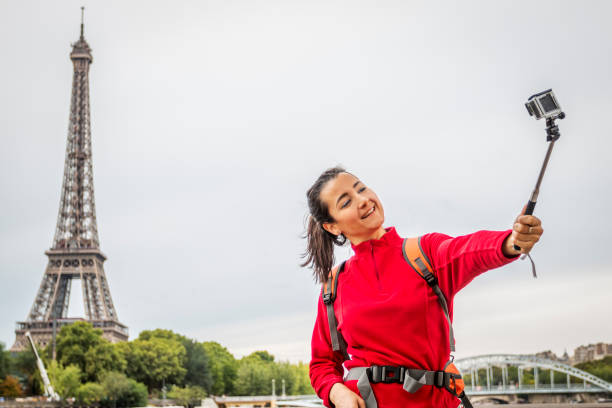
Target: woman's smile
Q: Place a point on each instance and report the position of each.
(369, 212)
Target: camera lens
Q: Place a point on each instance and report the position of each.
(548, 103)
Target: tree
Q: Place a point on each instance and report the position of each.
(154, 361)
(103, 357)
(10, 387)
(255, 374)
(4, 362)
(303, 385)
(223, 368)
(121, 391)
(81, 345)
(197, 364)
(297, 379)
(263, 355)
(600, 368)
(90, 394)
(65, 380)
(196, 360)
(254, 377)
(189, 397)
(23, 366)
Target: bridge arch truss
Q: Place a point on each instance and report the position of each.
(472, 366)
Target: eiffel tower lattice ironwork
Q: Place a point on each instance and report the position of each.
(75, 253)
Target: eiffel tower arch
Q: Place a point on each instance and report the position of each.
(75, 253)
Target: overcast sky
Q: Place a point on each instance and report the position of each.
(210, 119)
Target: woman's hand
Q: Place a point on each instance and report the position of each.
(526, 231)
(343, 397)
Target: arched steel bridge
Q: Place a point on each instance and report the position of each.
(472, 366)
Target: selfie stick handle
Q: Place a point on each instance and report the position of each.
(534, 195)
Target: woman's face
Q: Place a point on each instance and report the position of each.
(356, 209)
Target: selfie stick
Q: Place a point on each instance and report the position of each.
(552, 134)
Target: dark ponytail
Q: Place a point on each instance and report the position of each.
(320, 248)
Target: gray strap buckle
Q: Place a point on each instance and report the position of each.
(412, 384)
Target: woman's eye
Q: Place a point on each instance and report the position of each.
(362, 189)
(346, 204)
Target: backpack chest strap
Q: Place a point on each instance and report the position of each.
(416, 258)
(412, 380)
(329, 293)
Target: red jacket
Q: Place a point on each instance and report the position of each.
(388, 314)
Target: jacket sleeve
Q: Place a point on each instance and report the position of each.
(457, 261)
(326, 364)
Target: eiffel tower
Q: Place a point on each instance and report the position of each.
(75, 253)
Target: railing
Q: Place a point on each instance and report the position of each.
(532, 389)
(45, 325)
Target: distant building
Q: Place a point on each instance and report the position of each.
(565, 358)
(548, 354)
(581, 354)
(591, 352)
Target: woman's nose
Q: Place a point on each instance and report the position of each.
(363, 201)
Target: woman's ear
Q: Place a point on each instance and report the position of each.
(332, 228)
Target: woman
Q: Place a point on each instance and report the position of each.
(387, 314)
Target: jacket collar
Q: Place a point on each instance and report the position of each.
(390, 238)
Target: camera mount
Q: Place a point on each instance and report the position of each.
(552, 130)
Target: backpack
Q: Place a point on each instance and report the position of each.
(413, 379)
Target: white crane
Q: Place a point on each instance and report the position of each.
(49, 391)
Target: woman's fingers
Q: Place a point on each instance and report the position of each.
(343, 397)
(534, 237)
(524, 245)
(529, 220)
(526, 231)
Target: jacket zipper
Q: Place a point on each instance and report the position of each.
(375, 268)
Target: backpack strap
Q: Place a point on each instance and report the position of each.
(329, 292)
(416, 258)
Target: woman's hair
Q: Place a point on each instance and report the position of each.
(320, 249)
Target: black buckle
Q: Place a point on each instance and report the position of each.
(327, 298)
(431, 279)
(440, 379)
(386, 374)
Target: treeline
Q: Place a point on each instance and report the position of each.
(600, 368)
(92, 370)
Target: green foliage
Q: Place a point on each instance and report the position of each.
(121, 391)
(257, 370)
(153, 359)
(10, 387)
(189, 397)
(600, 368)
(197, 365)
(121, 374)
(65, 380)
(73, 342)
(297, 379)
(23, 366)
(159, 334)
(81, 345)
(262, 355)
(90, 394)
(195, 361)
(223, 369)
(4, 361)
(254, 376)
